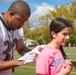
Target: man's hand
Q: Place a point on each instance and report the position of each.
(38, 49)
(28, 57)
(31, 56)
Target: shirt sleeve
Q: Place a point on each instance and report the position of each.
(21, 32)
(42, 65)
(18, 35)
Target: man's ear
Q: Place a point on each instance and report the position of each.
(53, 34)
(11, 14)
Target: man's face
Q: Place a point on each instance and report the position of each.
(17, 21)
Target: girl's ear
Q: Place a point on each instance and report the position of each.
(53, 34)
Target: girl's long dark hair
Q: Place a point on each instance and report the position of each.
(63, 53)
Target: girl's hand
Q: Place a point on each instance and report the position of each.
(66, 68)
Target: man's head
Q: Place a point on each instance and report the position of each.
(17, 14)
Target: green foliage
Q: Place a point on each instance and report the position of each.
(72, 39)
(42, 35)
(27, 32)
(67, 11)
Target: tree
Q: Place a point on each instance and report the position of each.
(66, 11)
(42, 35)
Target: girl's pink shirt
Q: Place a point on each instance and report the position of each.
(49, 62)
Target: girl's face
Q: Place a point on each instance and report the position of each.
(63, 36)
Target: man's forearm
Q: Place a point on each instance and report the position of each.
(5, 65)
(24, 50)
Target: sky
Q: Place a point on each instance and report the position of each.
(38, 7)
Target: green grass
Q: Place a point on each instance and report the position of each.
(30, 68)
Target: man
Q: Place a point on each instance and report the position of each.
(10, 39)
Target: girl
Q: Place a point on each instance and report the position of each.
(51, 60)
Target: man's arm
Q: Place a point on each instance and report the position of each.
(5, 65)
(26, 58)
(21, 48)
